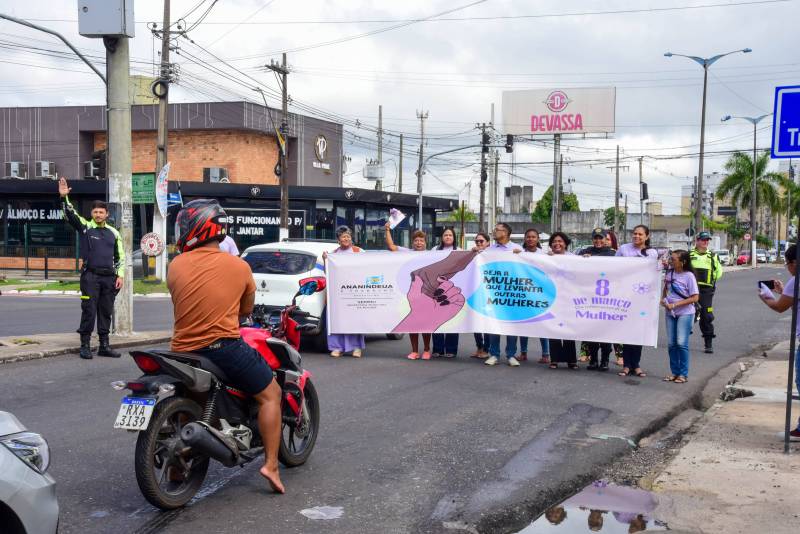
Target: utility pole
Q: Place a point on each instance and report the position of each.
(283, 141)
(626, 206)
(641, 194)
(616, 168)
(556, 155)
(421, 116)
(379, 182)
(119, 169)
(484, 151)
(400, 168)
(159, 222)
(559, 197)
(493, 210)
(616, 194)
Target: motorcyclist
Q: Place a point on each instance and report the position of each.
(210, 291)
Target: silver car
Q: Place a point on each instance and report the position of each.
(28, 502)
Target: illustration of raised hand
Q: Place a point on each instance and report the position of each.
(428, 313)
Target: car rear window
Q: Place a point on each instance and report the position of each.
(276, 262)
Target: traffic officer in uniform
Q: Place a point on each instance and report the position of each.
(707, 270)
(103, 266)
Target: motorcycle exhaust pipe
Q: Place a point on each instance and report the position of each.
(205, 440)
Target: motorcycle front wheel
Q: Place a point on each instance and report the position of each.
(168, 476)
(297, 443)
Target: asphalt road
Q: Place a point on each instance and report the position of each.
(27, 315)
(404, 446)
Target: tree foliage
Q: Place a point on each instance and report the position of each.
(544, 208)
(739, 182)
(461, 213)
(608, 218)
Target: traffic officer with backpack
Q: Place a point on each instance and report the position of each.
(708, 270)
(103, 266)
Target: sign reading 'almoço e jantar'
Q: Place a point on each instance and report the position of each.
(557, 111)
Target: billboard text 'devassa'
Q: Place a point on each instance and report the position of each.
(557, 111)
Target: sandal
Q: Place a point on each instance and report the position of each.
(553, 366)
(573, 366)
(544, 359)
(625, 372)
(670, 378)
(640, 374)
(680, 380)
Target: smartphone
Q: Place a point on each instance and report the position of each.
(769, 283)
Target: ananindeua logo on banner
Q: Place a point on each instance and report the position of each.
(534, 295)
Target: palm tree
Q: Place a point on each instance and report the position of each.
(739, 182)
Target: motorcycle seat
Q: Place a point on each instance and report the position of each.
(195, 360)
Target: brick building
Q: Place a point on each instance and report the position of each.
(224, 150)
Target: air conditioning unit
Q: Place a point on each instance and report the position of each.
(16, 169)
(215, 175)
(90, 170)
(45, 169)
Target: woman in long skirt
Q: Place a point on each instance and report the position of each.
(339, 344)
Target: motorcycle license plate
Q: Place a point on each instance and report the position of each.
(134, 413)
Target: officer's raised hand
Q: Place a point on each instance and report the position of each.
(63, 188)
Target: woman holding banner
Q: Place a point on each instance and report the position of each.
(341, 343)
(482, 241)
(561, 350)
(417, 245)
(531, 245)
(446, 345)
(639, 247)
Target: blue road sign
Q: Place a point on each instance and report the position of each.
(786, 123)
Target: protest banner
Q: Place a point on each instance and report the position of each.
(535, 295)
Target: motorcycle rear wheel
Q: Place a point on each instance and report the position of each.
(167, 479)
(295, 450)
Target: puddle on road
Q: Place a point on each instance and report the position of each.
(600, 507)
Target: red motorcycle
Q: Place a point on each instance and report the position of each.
(186, 413)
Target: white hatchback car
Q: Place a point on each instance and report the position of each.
(28, 501)
(277, 271)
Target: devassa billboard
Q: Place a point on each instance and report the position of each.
(559, 111)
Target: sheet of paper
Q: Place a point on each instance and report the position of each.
(395, 217)
(765, 292)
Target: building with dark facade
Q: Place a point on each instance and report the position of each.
(222, 150)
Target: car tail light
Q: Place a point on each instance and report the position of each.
(146, 363)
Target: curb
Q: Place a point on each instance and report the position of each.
(522, 513)
(27, 356)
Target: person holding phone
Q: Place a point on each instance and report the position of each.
(678, 297)
(783, 303)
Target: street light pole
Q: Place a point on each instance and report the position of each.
(705, 63)
(753, 189)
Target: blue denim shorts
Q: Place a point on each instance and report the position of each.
(246, 369)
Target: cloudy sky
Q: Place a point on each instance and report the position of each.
(453, 59)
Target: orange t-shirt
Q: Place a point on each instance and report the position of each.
(207, 287)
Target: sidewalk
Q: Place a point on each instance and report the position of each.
(732, 475)
(32, 347)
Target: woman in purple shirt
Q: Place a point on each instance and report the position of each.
(639, 247)
(678, 298)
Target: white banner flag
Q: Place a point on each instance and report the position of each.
(606, 299)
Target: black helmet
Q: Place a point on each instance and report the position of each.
(199, 222)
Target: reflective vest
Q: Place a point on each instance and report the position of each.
(706, 266)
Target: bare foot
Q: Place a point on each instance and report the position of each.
(274, 479)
